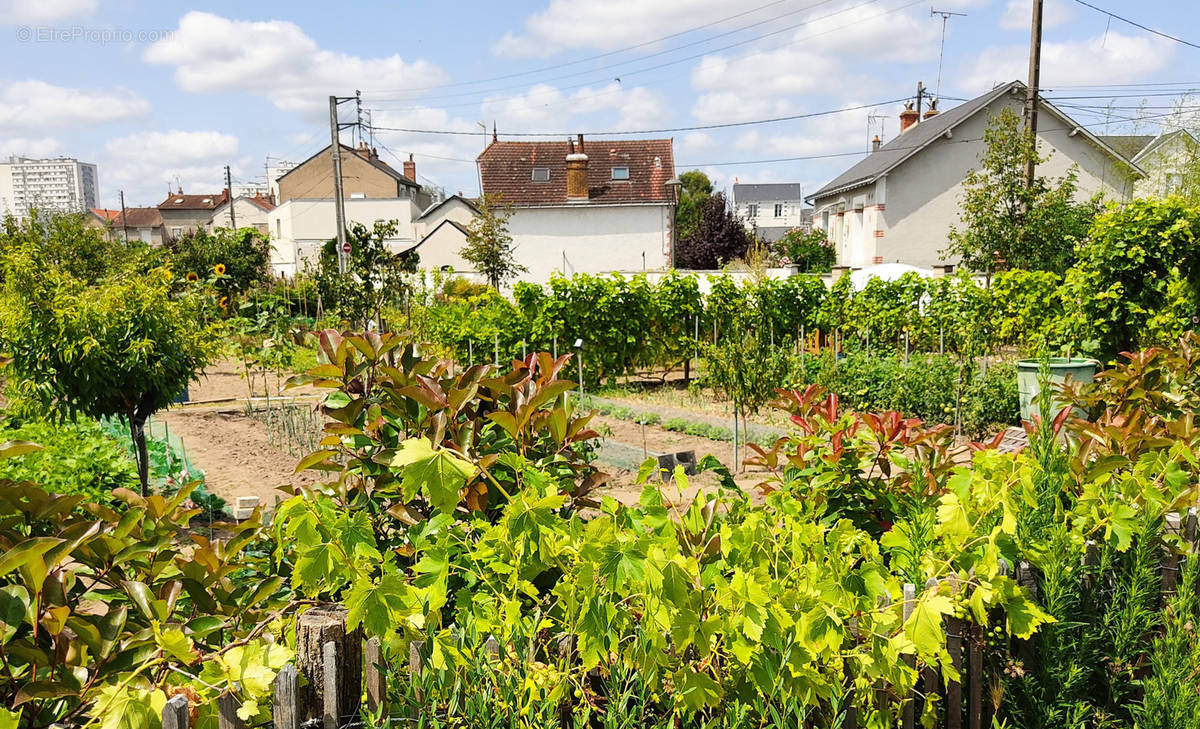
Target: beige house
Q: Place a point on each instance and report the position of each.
(364, 177)
(899, 203)
(144, 224)
(1164, 157)
(442, 233)
(247, 211)
(185, 214)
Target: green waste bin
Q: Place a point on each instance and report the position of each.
(1061, 368)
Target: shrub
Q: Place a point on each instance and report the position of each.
(677, 425)
(77, 457)
(991, 400)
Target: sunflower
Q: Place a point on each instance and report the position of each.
(220, 269)
(223, 302)
(192, 277)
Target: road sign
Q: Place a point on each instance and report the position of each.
(346, 247)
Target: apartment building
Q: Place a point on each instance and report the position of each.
(59, 184)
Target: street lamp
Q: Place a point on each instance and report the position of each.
(675, 184)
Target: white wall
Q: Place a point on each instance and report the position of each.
(589, 238)
(1165, 165)
(924, 194)
(247, 214)
(298, 228)
(441, 249)
(766, 213)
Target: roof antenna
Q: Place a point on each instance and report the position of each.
(937, 89)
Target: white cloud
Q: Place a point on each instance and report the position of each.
(277, 60)
(817, 58)
(31, 105)
(1018, 14)
(1112, 58)
(607, 25)
(42, 11)
(144, 164)
(30, 147)
(548, 108)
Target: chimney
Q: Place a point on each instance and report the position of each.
(932, 110)
(577, 173)
(410, 168)
(875, 143)
(908, 117)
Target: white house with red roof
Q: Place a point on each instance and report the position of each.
(604, 207)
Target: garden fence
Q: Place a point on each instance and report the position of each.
(340, 669)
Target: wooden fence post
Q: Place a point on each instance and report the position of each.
(929, 677)
(908, 717)
(175, 713)
(974, 672)
(315, 628)
(954, 636)
(415, 667)
(330, 706)
(374, 678)
(286, 701)
(492, 647)
(227, 708)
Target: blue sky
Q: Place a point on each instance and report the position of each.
(159, 92)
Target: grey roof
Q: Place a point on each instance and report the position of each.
(880, 162)
(766, 192)
(433, 208)
(1129, 145)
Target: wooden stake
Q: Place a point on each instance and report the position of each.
(329, 707)
(374, 676)
(286, 699)
(909, 711)
(175, 713)
(315, 628)
(227, 708)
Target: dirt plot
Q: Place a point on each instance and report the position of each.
(235, 454)
(623, 486)
(223, 380)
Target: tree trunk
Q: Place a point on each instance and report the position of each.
(137, 432)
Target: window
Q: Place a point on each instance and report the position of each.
(176, 232)
(620, 173)
(1174, 182)
(278, 228)
(752, 210)
(541, 174)
(779, 210)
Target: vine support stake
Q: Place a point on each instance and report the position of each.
(316, 627)
(909, 713)
(329, 709)
(496, 349)
(374, 678)
(286, 695)
(227, 708)
(175, 713)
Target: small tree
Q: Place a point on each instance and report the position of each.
(375, 275)
(243, 257)
(489, 246)
(694, 190)
(67, 242)
(121, 347)
(1007, 222)
(812, 252)
(718, 239)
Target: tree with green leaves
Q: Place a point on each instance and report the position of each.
(122, 346)
(1008, 223)
(375, 274)
(489, 245)
(718, 239)
(242, 258)
(694, 190)
(67, 242)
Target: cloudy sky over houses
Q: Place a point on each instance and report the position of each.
(162, 96)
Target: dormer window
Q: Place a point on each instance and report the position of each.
(620, 173)
(541, 174)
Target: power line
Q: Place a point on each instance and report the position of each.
(679, 60)
(1137, 25)
(701, 127)
(626, 49)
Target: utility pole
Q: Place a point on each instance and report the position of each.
(937, 90)
(229, 189)
(339, 200)
(920, 95)
(124, 224)
(1031, 93)
(358, 113)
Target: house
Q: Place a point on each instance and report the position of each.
(442, 233)
(247, 212)
(144, 224)
(1164, 157)
(770, 210)
(606, 207)
(305, 218)
(899, 203)
(186, 214)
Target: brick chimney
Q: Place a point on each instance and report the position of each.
(908, 117)
(577, 173)
(932, 110)
(410, 168)
(875, 143)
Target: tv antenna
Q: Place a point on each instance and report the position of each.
(872, 118)
(946, 14)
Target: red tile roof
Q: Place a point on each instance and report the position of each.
(506, 168)
(106, 214)
(134, 217)
(193, 202)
